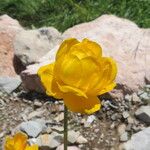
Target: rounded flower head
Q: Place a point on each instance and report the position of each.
(18, 142)
(78, 75)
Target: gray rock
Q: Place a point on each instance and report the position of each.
(72, 136)
(143, 114)
(81, 140)
(139, 141)
(37, 103)
(89, 121)
(125, 114)
(135, 98)
(121, 129)
(145, 97)
(147, 87)
(49, 140)
(114, 116)
(9, 84)
(58, 129)
(128, 98)
(36, 113)
(60, 117)
(124, 137)
(33, 128)
(130, 120)
(30, 45)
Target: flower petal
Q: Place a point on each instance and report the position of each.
(68, 70)
(89, 73)
(46, 75)
(86, 48)
(9, 143)
(18, 142)
(33, 147)
(65, 47)
(80, 104)
(107, 76)
(69, 89)
(93, 46)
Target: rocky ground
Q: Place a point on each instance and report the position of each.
(42, 118)
(122, 123)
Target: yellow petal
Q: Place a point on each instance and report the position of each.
(18, 142)
(89, 73)
(80, 104)
(33, 147)
(46, 75)
(65, 47)
(86, 48)
(9, 143)
(107, 76)
(68, 70)
(93, 46)
(73, 90)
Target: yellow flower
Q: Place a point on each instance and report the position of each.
(78, 75)
(18, 142)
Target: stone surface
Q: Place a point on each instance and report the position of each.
(121, 39)
(81, 140)
(8, 29)
(33, 128)
(61, 147)
(30, 45)
(36, 113)
(72, 136)
(143, 114)
(145, 97)
(125, 114)
(89, 121)
(29, 76)
(135, 98)
(124, 137)
(9, 84)
(121, 129)
(60, 117)
(139, 141)
(49, 141)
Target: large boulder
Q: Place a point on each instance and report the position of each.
(30, 45)
(8, 29)
(121, 39)
(138, 141)
(126, 43)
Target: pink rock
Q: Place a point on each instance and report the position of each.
(121, 39)
(126, 43)
(8, 29)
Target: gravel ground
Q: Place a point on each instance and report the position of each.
(103, 130)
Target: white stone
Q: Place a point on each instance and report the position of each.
(72, 136)
(139, 141)
(81, 140)
(33, 128)
(124, 137)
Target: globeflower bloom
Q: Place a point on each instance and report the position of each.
(18, 142)
(78, 75)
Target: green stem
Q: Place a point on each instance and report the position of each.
(65, 127)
